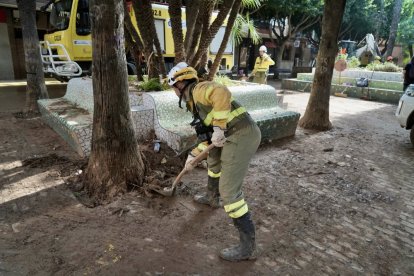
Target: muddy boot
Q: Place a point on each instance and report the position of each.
(212, 197)
(246, 250)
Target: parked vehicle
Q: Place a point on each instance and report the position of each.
(405, 111)
(67, 48)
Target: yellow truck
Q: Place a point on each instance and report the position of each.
(67, 50)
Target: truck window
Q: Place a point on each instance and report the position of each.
(60, 14)
(83, 23)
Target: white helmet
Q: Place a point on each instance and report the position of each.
(181, 72)
(263, 48)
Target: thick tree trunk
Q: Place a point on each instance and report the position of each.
(193, 8)
(36, 88)
(230, 22)
(396, 15)
(210, 32)
(317, 112)
(174, 9)
(115, 164)
(146, 26)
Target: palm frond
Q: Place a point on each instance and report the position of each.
(244, 26)
(252, 4)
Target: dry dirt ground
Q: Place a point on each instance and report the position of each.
(331, 203)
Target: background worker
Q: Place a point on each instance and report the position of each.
(408, 73)
(261, 67)
(236, 138)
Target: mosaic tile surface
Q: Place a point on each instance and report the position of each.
(71, 116)
(375, 94)
(376, 75)
(172, 123)
(380, 84)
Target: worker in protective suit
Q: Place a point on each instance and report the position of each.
(261, 67)
(236, 138)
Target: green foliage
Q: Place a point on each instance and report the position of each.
(287, 18)
(353, 62)
(252, 4)
(224, 80)
(151, 85)
(242, 25)
(132, 78)
(384, 67)
(405, 28)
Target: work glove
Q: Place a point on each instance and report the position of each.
(218, 139)
(188, 165)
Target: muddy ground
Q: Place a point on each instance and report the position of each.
(332, 203)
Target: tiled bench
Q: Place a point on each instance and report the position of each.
(171, 124)
(71, 116)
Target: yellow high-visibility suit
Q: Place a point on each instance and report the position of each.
(261, 68)
(216, 107)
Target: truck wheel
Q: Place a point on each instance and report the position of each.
(412, 135)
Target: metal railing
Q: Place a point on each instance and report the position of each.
(55, 64)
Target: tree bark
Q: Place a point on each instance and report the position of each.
(115, 164)
(193, 8)
(410, 49)
(279, 56)
(135, 52)
(134, 41)
(174, 9)
(317, 111)
(230, 22)
(36, 88)
(394, 27)
(210, 32)
(146, 26)
(205, 11)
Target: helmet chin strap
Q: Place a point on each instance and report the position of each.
(182, 92)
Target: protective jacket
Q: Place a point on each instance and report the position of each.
(215, 106)
(262, 64)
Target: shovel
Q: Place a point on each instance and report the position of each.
(170, 191)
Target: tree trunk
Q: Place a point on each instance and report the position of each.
(36, 88)
(317, 112)
(115, 164)
(396, 15)
(379, 22)
(410, 49)
(146, 26)
(174, 9)
(193, 8)
(230, 22)
(210, 32)
(134, 40)
(135, 52)
(205, 10)
(279, 56)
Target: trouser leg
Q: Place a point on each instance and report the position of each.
(235, 158)
(212, 196)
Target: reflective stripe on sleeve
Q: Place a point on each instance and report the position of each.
(202, 146)
(219, 115)
(236, 113)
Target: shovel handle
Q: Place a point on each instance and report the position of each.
(196, 160)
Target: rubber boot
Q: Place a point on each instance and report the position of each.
(246, 250)
(212, 197)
